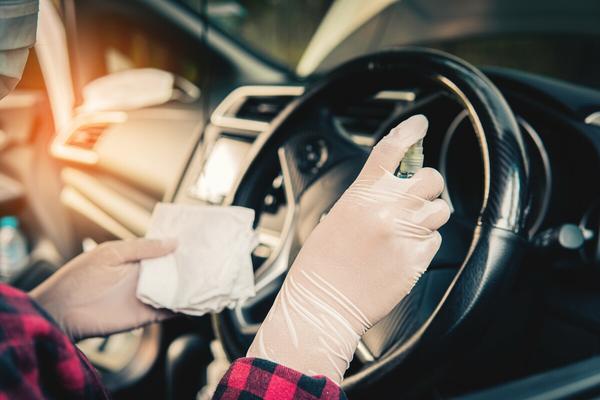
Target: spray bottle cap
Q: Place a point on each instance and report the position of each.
(413, 159)
(9, 221)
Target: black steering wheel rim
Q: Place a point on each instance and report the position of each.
(498, 238)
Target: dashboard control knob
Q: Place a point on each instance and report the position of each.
(563, 246)
(563, 237)
(312, 154)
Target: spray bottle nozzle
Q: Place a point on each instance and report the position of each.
(412, 161)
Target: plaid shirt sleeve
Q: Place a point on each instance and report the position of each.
(254, 378)
(37, 360)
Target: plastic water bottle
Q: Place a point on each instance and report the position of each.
(13, 248)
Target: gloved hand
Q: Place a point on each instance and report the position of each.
(358, 263)
(95, 293)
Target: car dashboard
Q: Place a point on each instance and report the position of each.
(562, 148)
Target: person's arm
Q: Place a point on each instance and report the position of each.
(92, 295)
(357, 264)
(37, 360)
(255, 378)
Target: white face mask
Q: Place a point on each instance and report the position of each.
(18, 22)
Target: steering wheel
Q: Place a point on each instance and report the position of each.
(435, 321)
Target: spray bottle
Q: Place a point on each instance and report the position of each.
(412, 161)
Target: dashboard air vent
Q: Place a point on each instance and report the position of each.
(77, 142)
(252, 108)
(363, 118)
(263, 109)
(360, 121)
(86, 137)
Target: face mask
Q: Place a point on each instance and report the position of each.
(18, 22)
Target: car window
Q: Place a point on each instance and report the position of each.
(112, 40)
(279, 29)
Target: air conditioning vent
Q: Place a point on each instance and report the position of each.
(360, 121)
(252, 108)
(77, 142)
(363, 118)
(263, 109)
(86, 137)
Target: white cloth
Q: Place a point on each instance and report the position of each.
(136, 88)
(211, 268)
(129, 90)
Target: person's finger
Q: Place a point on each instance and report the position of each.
(148, 314)
(428, 184)
(437, 241)
(433, 215)
(124, 251)
(163, 314)
(390, 150)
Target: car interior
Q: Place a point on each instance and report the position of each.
(275, 106)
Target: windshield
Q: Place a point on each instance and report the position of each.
(297, 34)
(279, 30)
(558, 38)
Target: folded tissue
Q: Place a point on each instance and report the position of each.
(211, 268)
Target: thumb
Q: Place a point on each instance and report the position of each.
(163, 314)
(390, 150)
(125, 251)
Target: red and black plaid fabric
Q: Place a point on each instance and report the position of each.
(37, 360)
(253, 379)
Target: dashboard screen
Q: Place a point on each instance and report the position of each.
(221, 169)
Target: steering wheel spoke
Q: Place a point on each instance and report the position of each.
(456, 239)
(269, 276)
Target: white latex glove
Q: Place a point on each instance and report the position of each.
(94, 294)
(358, 263)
